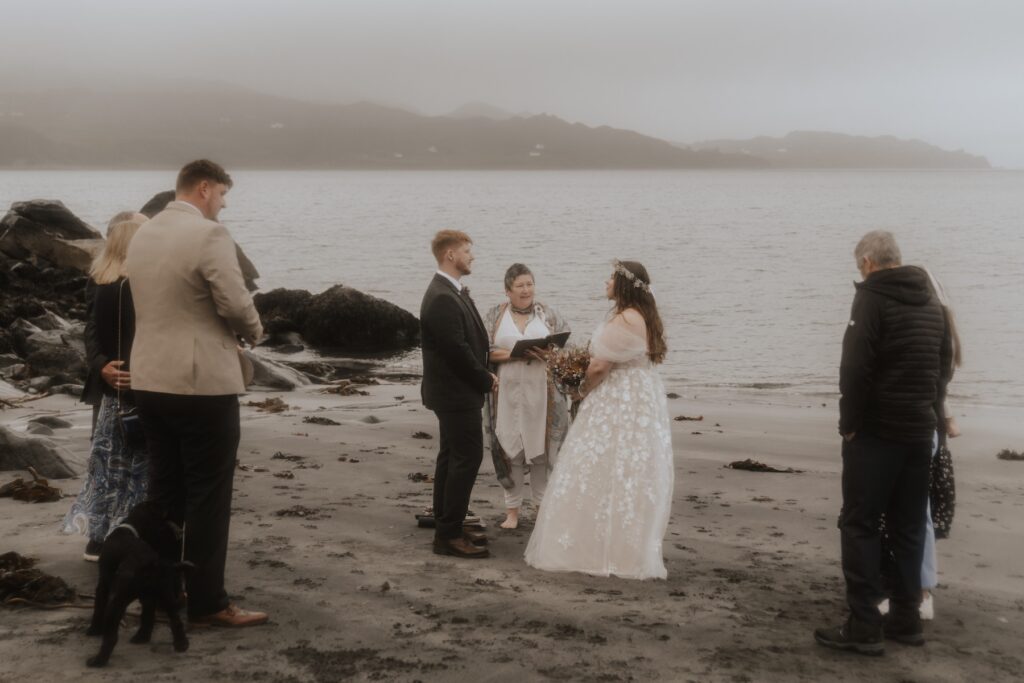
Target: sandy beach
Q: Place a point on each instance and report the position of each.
(323, 538)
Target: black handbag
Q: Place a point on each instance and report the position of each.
(127, 413)
(942, 492)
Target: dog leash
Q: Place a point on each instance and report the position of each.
(181, 532)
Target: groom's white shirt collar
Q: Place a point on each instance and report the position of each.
(188, 206)
(458, 285)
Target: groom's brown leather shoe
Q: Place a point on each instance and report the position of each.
(231, 616)
(459, 547)
(477, 538)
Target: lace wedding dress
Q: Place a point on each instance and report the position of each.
(608, 501)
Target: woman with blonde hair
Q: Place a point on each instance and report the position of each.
(118, 463)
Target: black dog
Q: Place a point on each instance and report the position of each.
(139, 561)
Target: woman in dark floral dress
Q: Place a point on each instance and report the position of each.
(117, 473)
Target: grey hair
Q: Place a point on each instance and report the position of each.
(514, 271)
(120, 217)
(879, 246)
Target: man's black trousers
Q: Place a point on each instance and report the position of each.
(193, 443)
(458, 461)
(881, 476)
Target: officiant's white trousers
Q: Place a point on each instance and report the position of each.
(539, 470)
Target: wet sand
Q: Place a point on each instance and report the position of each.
(323, 538)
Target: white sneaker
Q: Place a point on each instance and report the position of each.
(927, 609)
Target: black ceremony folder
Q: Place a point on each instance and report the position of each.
(524, 345)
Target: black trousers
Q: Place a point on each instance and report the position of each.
(881, 476)
(193, 444)
(458, 461)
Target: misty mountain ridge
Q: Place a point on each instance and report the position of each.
(166, 126)
(818, 149)
(482, 110)
(166, 123)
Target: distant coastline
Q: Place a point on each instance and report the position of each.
(80, 129)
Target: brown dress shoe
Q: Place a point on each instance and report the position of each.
(232, 616)
(459, 547)
(475, 537)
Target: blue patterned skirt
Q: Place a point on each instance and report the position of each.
(116, 480)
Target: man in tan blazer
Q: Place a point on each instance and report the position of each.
(191, 307)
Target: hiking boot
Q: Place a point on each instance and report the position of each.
(906, 630)
(852, 637)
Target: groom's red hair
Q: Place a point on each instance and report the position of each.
(447, 239)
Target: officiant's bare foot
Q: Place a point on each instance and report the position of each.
(511, 519)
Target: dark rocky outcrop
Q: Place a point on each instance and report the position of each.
(157, 203)
(51, 421)
(22, 452)
(270, 374)
(46, 229)
(9, 391)
(283, 311)
(340, 318)
(45, 253)
(62, 364)
(53, 217)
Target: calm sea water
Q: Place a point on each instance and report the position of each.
(753, 271)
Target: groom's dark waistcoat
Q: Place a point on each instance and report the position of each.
(455, 345)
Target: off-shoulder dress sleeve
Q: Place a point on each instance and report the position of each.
(618, 341)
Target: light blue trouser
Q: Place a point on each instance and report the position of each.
(929, 566)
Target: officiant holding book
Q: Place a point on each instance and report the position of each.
(527, 418)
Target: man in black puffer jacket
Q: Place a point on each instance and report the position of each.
(897, 361)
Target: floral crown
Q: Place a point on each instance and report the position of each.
(631, 276)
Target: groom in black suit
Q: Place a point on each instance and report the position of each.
(455, 381)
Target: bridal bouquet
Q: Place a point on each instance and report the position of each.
(568, 367)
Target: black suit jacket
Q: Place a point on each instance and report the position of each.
(455, 345)
(101, 343)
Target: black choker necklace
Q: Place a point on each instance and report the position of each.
(522, 311)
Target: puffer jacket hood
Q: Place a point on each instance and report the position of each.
(897, 358)
(906, 284)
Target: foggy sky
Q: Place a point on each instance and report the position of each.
(950, 72)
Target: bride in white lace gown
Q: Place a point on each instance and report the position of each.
(608, 501)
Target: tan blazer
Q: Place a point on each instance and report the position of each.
(190, 302)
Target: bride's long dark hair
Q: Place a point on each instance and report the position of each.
(627, 294)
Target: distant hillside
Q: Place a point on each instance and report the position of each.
(807, 149)
(482, 110)
(168, 125)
